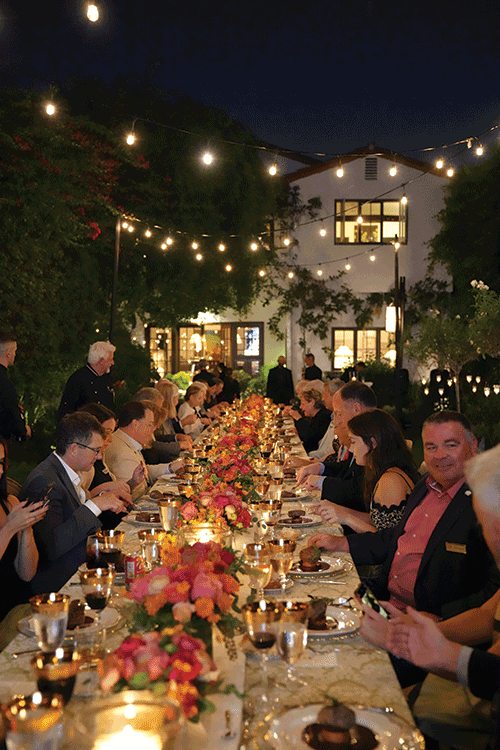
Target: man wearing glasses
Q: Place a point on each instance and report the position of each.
(61, 538)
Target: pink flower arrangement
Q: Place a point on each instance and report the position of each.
(169, 662)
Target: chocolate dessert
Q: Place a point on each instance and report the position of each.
(336, 729)
(76, 615)
(310, 559)
(146, 517)
(296, 513)
(317, 615)
(288, 495)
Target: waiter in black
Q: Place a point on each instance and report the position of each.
(280, 383)
(90, 384)
(12, 424)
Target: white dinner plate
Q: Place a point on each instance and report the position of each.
(335, 565)
(284, 729)
(109, 618)
(315, 521)
(278, 589)
(131, 519)
(341, 621)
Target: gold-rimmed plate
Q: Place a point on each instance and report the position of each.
(284, 728)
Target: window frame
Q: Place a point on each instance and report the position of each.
(340, 217)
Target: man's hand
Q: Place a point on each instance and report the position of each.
(422, 643)
(109, 501)
(190, 419)
(119, 488)
(205, 420)
(184, 441)
(375, 628)
(329, 542)
(302, 474)
(137, 477)
(294, 414)
(176, 465)
(293, 462)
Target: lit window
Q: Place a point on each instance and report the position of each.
(364, 222)
(350, 346)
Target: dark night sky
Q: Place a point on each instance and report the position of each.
(321, 77)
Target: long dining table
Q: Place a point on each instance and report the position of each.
(342, 665)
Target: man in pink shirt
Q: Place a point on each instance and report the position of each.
(436, 559)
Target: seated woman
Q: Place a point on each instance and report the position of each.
(390, 473)
(189, 414)
(171, 425)
(315, 420)
(18, 552)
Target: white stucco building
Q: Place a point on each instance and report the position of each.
(379, 195)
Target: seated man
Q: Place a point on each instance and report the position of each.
(61, 536)
(436, 560)
(136, 425)
(341, 481)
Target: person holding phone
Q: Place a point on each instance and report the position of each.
(18, 551)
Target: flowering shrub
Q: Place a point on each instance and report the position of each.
(168, 662)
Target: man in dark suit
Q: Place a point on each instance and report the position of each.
(436, 560)
(90, 384)
(341, 481)
(280, 383)
(311, 371)
(12, 422)
(61, 536)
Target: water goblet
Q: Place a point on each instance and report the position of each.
(169, 513)
(292, 637)
(261, 620)
(281, 559)
(97, 586)
(257, 565)
(50, 618)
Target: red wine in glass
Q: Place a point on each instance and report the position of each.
(263, 639)
(97, 601)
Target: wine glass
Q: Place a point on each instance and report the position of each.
(281, 559)
(56, 671)
(261, 620)
(50, 618)
(257, 565)
(292, 637)
(97, 586)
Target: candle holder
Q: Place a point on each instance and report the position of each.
(191, 533)
(33, 722)
(56, 672)
(135, 719)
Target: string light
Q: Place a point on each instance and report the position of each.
(207, 158)
(163, 246)
(229, 268)
(340, 172)
(404, 200)
(291, 274)
(130, 228)
(347, 266)
(171, 242)
(130, 139)
(262, 272)
(92, 12)
(222, 247)
(359, 219)
(148, 233)
(124, 224)
(393, 171)
(50, 109)
(319, 272)
(439, 163)
(273, 170)
(194, 245)
(373, 257)
(199, 256)
(254, 246)
(322, 232)
(479, 150)
(286, 242)
(450, 172)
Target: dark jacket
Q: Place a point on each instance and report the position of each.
(11, 417)
(85, 386)
(313, 373)
(280, 385)
(343, 484)
(312, 429)
(61, 536)
(448, 581)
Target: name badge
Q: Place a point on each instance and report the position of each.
(452, 547)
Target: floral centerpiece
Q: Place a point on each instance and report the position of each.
(219, 505)
(169, 649)
(168, 662)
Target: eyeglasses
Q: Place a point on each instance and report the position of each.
(94, 450)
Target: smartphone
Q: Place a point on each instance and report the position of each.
(364, 595)
(42, 498)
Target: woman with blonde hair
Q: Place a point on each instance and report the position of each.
(189, 415)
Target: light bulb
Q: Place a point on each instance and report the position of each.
(147, 233)
(254, 246)
(194, 245)
(286, 242)
(440, 164)
(92, 12)
(262, 272)
(319, 272)
(373, 257)
(478, 378)
(163, 246)
(199, 256)
(474, 389)
(273, 169)
(130, 228)
(404, 200)
(393, 170)
(450, 172)
(124, 224)
(322, 232)
(170, 241)
(207, 157)
(50, 109)
(347, 266)
(340, 172)
(359, 219)
(229, 268)
(222, 247)
(479, 150)
(487, 391)
(396, 246)
(291, 274)
(468, 378)
(130, 139)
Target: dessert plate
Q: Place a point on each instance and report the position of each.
(334, 565)
(109, 618)
(340, 622)
(312, 521)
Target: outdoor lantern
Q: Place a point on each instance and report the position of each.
(390, 319)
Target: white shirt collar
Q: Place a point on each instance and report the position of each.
(129, 440)
(74, 477)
